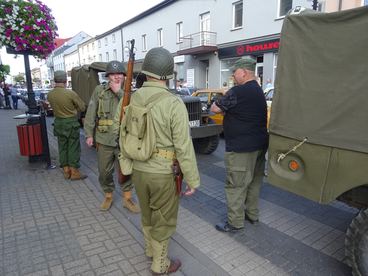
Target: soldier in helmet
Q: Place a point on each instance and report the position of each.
(65, 104)
(99, 119)
(153, 178)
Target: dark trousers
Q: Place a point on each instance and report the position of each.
(15, 101)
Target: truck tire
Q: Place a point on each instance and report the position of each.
(206, 145)
(356, 244)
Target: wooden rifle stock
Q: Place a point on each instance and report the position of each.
(126, 99)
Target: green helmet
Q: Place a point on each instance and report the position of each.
(115, 67)
(158, 64)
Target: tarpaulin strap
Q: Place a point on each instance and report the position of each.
(281, 156)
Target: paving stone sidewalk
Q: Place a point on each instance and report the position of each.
(50, 226)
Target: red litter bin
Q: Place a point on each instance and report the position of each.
(30, 139)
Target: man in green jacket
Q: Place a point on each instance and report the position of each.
(99, 120)
(153, 178)
(66, 104)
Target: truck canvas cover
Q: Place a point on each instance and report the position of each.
(85, 79)
(328, 54)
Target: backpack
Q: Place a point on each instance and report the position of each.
(137, 130)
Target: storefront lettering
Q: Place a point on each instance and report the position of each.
(248, 49)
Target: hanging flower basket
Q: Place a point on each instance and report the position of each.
(27, 27)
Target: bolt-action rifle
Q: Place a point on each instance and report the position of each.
(126, 99)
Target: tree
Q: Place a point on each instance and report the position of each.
(19, 78)
(4, 71)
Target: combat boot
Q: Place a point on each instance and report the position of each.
(66, 172)
(76, 174)
(106, 204)
(129, 203)
(161, 264)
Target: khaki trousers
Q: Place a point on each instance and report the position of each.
(243, 182)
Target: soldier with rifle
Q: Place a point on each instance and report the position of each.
(155, 178)
(99, 121)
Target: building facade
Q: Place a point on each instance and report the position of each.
(206, 38)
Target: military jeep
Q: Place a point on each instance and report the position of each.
(204, 132)
(318, 127)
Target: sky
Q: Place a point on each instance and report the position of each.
(93, 17)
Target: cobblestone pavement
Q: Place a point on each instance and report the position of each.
(50, 226)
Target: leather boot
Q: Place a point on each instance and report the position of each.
(147, 241)
(129, 203)
(66, 172)
(106, 204)
(76, 174)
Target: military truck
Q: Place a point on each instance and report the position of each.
(318, 127)
(204, 132)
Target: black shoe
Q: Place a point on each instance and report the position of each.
(226, 227)
(252, 221)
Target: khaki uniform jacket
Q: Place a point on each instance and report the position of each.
(100, 113)
(171, 123)
(65, 103)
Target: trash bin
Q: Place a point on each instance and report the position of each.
(30, 139)
(30, 135)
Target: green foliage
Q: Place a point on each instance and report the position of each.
(4, 71)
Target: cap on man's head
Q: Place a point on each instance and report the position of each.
(60, 76)
(247, 62)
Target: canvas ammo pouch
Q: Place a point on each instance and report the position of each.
(137, 131)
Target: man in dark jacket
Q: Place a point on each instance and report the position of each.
(246, 140)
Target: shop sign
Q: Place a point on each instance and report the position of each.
(250, 49)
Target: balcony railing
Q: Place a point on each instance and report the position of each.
(196, 43)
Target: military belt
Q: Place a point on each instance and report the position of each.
(167, 154)
(105, 122)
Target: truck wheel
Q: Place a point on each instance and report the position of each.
(356, 244)
(206, 145)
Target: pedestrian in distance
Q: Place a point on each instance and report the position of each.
(14, 96)
(154, 178)
(99, 131)
(246, 142)
(66, 104)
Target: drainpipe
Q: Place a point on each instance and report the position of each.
(340, 5)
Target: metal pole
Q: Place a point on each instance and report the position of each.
(45, 141)
(32, 105)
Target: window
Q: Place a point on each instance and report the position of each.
(160, 41)
(179, 32)
(106, 41)
(113, 38)
(87, 47)
(238, 14)
(100, 57)
(99, 44)
(107, 56)
(93, 46)
(365, 3)
(114, 54)
(284, 7)
(144, 43)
